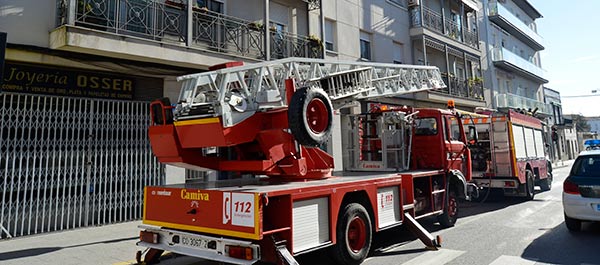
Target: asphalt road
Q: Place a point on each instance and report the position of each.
(505, 231)
(508, 231)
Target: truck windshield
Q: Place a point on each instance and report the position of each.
(426, 126)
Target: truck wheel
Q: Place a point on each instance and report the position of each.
(529, 185)
(310, 116)
(573, 225)
(353, 235)
(546, 184)
(450, 214)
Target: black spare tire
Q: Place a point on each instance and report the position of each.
(310, 116)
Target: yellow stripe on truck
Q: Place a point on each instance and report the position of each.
(196, 121)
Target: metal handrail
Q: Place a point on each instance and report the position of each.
(168, 22)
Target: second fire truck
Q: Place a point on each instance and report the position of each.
(510, 155)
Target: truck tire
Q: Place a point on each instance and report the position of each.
(353, 235)
(450, 214)
(573, 225)
(546, 184)
(310, 116)
(529, 185)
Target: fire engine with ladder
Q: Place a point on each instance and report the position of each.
(509, 157)
(267, 120)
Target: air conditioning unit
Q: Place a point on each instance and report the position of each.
(413, 2)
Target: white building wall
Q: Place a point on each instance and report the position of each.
(28, 21)
(387, 23)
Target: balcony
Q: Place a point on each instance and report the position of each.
(461, 88)
(507, 60)
(434, 22)
(518, 102)
(509, 22)
(169, 32)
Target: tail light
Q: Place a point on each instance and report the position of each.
(570, 187)
(239, 252)
(149, 237)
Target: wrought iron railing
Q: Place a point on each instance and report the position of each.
(471, 37)
(435, 22)
(471, 89)
(285, 44)
(223, 33)
(168, 22)
(453, 30)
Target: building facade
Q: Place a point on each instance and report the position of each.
(78, 78)
(594, 123)
(512, 64)
(556, 134)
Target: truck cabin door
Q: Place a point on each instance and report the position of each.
(455, 145)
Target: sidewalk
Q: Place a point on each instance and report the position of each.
(108, 244)
(561, 164)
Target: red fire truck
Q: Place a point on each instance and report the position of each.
(266, 121)
(510, 154)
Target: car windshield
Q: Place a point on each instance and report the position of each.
(587, 166)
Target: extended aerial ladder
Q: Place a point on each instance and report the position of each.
(248, 109)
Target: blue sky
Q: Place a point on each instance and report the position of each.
(572, 51)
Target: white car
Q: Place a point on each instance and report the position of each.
(581, 190)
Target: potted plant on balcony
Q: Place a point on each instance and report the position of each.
(475, 81)
(314, 41)
(255, 26)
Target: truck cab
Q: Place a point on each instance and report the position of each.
(439, 141)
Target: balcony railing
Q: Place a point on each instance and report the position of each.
(497, 9)
(434, 22)
(503, 55)
(168, 22)
(471, 89)
(519, 102)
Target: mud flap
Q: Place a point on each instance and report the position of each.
(427, 238)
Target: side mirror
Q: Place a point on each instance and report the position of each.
(472, 136)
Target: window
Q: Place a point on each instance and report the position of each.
(329, 35)
(398, 53)
(588, 166)
(365, 46)
(425, 126)
(211, 5)
(401, 3)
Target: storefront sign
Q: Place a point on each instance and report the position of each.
(23, 78)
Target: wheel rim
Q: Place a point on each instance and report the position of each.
(530, 185)
(317, 116)
(452, 206)
(357, 234)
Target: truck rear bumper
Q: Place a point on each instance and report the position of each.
(201, 246)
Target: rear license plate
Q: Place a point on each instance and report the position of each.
(597, 206)
(194, 242)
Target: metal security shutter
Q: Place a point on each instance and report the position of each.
(72, 162)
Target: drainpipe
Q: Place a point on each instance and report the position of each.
(190, 23)
(322, 18)
(267, 32)
(489, 47)
(444, 29)
(461, 19)
(448, 69)
(72, 12)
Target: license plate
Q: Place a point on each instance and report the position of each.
(598, 207)
(194, 242)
